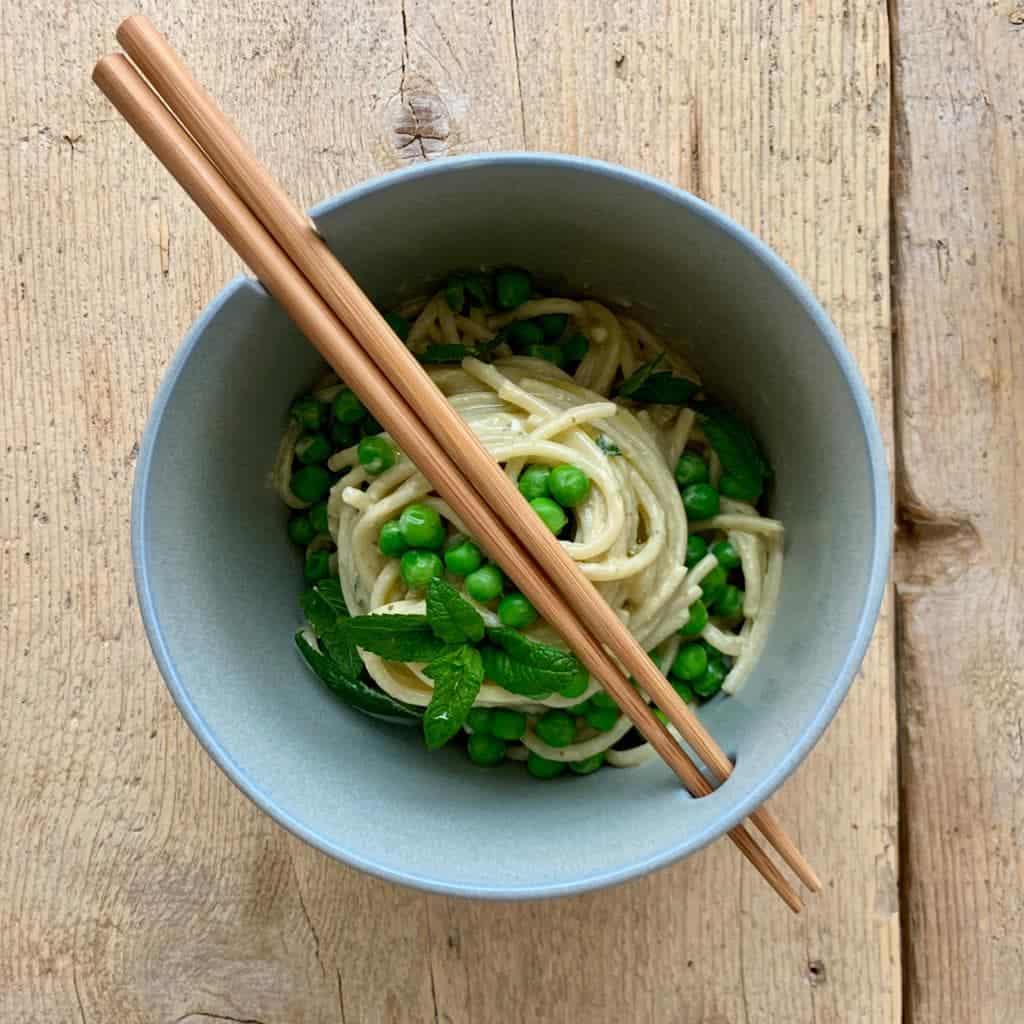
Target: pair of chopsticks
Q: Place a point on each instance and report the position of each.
(182, 125)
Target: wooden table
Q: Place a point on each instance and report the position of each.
(879, 150)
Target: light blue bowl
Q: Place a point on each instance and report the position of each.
(218, 581)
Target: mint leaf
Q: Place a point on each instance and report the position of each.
(658, 388)
(330, 591)
(458, 675)
(455, 293)
(395, 637)
(352, 690)
(321, 606)
(607, 445)
(664, 389)
(743, 465)
(444, 354)
(451, 616)
(528, 668)
(637, 379)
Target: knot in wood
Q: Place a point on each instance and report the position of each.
(421, 125)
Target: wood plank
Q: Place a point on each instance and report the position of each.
(137, 884)
(959, 318)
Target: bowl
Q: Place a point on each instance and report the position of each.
(218, 581)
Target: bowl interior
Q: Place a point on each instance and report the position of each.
(219, 582)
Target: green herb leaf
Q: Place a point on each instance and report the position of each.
(352, 690)
(320, 606)
(451, 616)
(648, 384)
(330, 591)
(526, 667)
(395, 637)
(477, 286)
(664, 389)
(444, 354)
(637, 379)
(455, 293)
(458, 675)
(607, 445)
(739, 453)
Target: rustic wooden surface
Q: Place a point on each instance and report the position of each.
(958, 329)
(136, 884)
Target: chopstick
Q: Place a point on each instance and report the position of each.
(116, 78)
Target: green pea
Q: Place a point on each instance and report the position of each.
(580, 710)
(690, 663)
(347, 408)
(485, 584)
(711, 681)
(318, 517)
(533, 482)
(308, 412)
(696, 549)
(553, 325)
(421, 526)
(588, 765)
(484, 749)
(556, 728)
(318, 566)
(464, 558)
(541, 768)
(604, 700)
(311, 449)
(700, 501)
(577, 686)
(512, 288)
(601, 719)
(726, 554)
(390, 539)
(399, 325)
(344, 435)
(551, 514)
(300, 529)
(516, 611)
(575, 348)
(684, 690)
(508, 725)
(568, 485)
(691, 469)
(478, 288)
(523, 333)
(713, 584)
(729, 602)
(310, 483)
(376, 454)
(549, 353)
(733, 488)
(480, 719)
(420, 567)
(696, 621)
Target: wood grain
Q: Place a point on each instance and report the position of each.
(959, 320)
(135, 883)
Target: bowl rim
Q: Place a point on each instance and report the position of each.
(870, 606)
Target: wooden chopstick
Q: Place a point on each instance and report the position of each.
(599, 663)
(291, 227)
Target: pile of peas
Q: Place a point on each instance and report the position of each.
(494, 728)
(328, 427)
(699, 669)
(543, 337)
